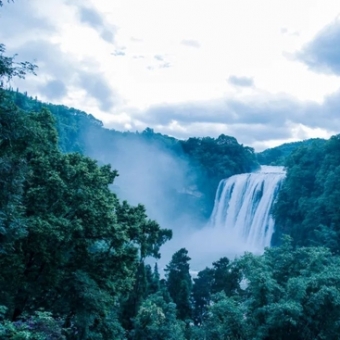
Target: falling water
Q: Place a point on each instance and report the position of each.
(243, 204)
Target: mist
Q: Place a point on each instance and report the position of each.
(153, 177)
(205, 246)
(164, 183)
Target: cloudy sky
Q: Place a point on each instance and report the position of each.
(264, 71)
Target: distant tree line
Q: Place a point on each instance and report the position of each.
(210, 159)
(278, 155)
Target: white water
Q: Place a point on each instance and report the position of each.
(240, 220)
(242, 207)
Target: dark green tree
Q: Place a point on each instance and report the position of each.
(225, 320)
(291, 294)
(155, 284)
(179, 283)
(201, 293)
(148, 237)
(226, 277)
(156, 320)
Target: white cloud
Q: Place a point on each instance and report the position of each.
(157, 52)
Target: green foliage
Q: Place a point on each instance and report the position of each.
(308, 203)
(222, 157)
(208, 160)
(278, 155)
(67, 244)
(9, 68)
(139, 292)
(74, 127)
(226, 320)
(146, 234)
(179, 283)
(156, 320)
(226, 277)
(287, 294)
(216, 159)
(291, 293)
(39, 326)
(154, 280)
(201, 293)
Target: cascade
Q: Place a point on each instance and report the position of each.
(243, 204)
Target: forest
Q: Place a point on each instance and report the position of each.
(74, 255)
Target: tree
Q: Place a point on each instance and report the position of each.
(226, 277)
(145, 234)
(214, 160)
(154, 284)
(223, 277)
(201, 293)
(156, 320)
(9, 68)
(40, 325)
(148, 237)
(225, 320)
(179, 283)
(307, 207)
(291, 294)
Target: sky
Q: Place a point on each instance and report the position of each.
(264, 71)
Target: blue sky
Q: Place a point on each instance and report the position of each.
(265, 71)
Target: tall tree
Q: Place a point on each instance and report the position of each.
(179, 283)
(201, 292)
(148, 237)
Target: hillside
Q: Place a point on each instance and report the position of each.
(307, 208)
(279, 154)
(183, 174)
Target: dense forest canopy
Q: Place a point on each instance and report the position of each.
(279, 154)
(307, 206)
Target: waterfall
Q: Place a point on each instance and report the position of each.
(243, 204)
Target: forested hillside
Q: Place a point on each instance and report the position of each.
(68, 246)
(279, 154)
(308, 204)
(190, 169)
